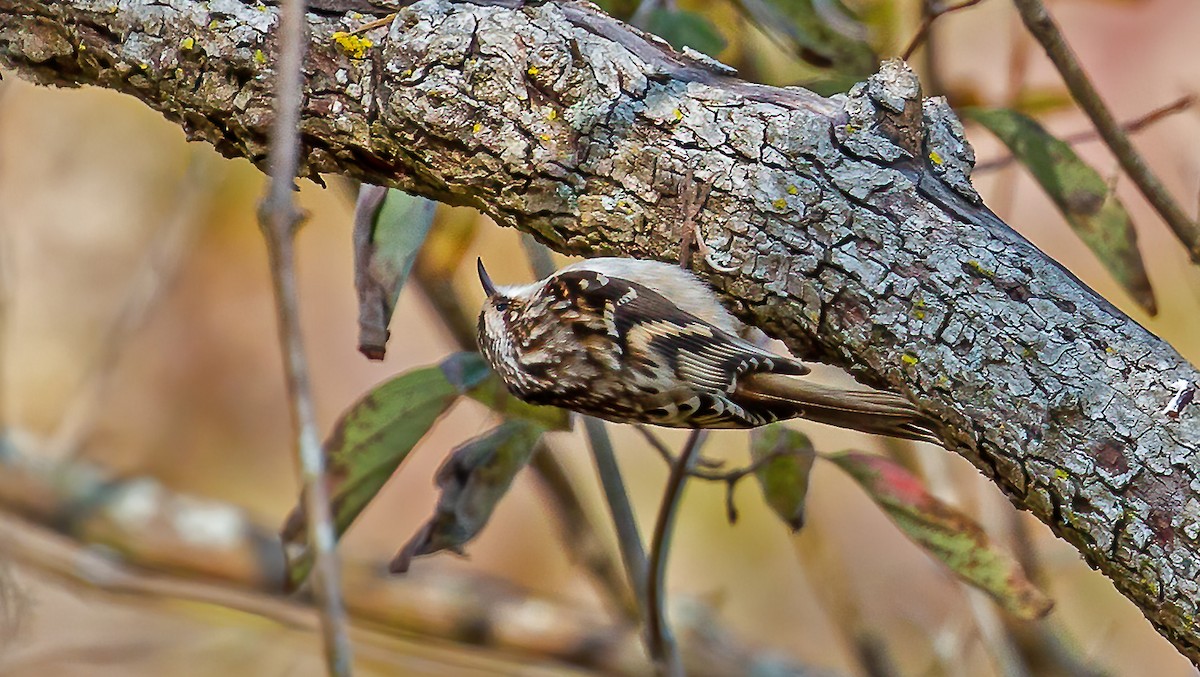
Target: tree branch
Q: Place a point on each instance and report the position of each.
(850, 222)
(1042, 27)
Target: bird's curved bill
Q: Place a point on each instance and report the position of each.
(484, 279)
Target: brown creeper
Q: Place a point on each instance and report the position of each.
(647, 342)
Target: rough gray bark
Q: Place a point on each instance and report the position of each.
(848, 223)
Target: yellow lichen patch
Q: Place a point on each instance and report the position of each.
(678, 115)
(850, 129)
(552, 115)
(260, 56)
(1062, 474)
(779, 203)
(213, 24)
(545, 137)
(477, 128)
(533, 70)
(909, 359)
(935, 158)
(978, 267)
(792, 190)
(187, 43)
(355, 46)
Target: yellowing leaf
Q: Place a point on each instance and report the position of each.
(785, 459)
(945, 533)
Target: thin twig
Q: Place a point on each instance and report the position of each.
(579, 534)
(1130, 127)
(541, 261)
(629, 540)
(661, 642)
(729, 477)
(458, 607)
(1045, 31)
(378, 23)
(146, 288)
(710, 474)
(279, 218)
(932, 15)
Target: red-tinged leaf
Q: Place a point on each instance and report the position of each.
(1080, 194)
(785, 457)
(950, 536)
(389, 228)
(373, 437)
(473, 480)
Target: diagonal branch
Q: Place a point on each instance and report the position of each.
(1045, 31)
(849, 224)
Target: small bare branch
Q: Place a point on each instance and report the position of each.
(932, 14)
(1045, 31)
(279, 217)
(146, 289)
(663, 648)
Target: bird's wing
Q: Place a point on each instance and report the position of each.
(654, 333)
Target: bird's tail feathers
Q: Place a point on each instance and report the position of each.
(870, 411)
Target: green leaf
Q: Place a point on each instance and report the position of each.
(473, 480)
(373, 437)
(682, 28)
(492, 394)
(829, 37)
(1079, 192)
(389, 228)
(948, 535)
(785, 457)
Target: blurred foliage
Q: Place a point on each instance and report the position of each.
(390, 227)
(682, 28)
(784, 459)
(472, 481)
(945, 533)
(373, 438)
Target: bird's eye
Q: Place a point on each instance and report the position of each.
(502, 305)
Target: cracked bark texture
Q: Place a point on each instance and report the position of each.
(849, 223)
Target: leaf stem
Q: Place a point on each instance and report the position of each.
(660, 641)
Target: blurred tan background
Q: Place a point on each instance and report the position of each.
(196, 399)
